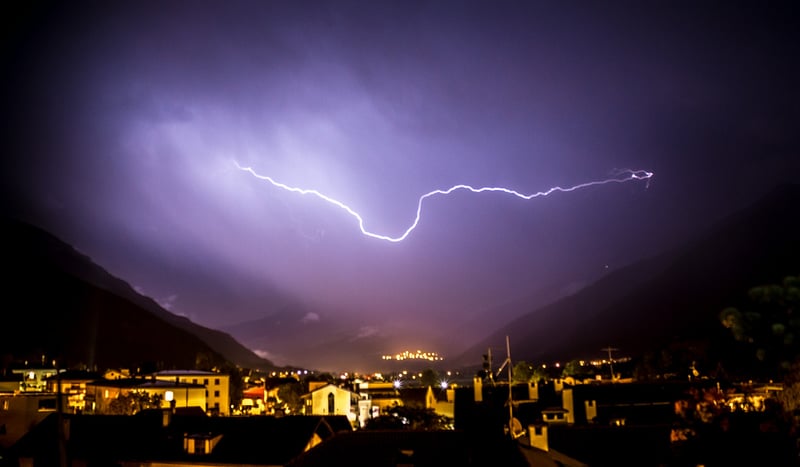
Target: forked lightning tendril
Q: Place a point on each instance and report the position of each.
(622, 176)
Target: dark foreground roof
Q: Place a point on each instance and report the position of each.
(417, 448)
(107, 440)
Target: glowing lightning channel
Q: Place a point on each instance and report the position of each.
(623, 176)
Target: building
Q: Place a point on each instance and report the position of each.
(10, 383)
(419, 398)
(253, 401)
(34, 379)
(218, 387)
(101, 394)
(117, 374)
(622, 404)
(20, 411)
(331, 400)
(377, 398)
(384, 396)
(73, 386)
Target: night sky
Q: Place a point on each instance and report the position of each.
(124, 124)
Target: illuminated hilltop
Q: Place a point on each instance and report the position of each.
(418, 355)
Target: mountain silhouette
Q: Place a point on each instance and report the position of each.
(677, 295)
(61, 305)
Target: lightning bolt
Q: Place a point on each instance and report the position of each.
(622, 176)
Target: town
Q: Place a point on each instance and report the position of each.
(582, 412)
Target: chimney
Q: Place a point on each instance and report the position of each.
(538, 436)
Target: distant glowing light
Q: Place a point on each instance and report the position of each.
(622, 176)
(418, 355)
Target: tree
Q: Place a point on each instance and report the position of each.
(429, 378)
(289, 396)
(770, 327)
(522, 372)
(410, 418)
(324, 377)
(236, 387)
(539, 374)
(203, 361)
(572, 368)
(789, 398)
(133, 402)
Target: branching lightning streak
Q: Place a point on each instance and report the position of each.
(623, 176)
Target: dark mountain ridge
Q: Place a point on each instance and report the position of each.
(675, 295)
(62, 305)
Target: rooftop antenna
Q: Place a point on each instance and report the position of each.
(487, 365)
(510, 396)
(610, 349)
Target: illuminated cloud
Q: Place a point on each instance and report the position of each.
(310, 317)
(365, 331)
(168, 302)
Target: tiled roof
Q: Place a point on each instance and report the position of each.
(335, 386)
(185, 373)
(77, 375)
(143, 383)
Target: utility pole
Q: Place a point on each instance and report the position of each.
(62, 440)
(610, 349)
(510, 396)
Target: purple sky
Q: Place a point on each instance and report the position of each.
(124, 121)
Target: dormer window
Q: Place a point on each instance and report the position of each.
(200, 444)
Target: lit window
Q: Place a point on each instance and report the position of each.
(169, 396)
